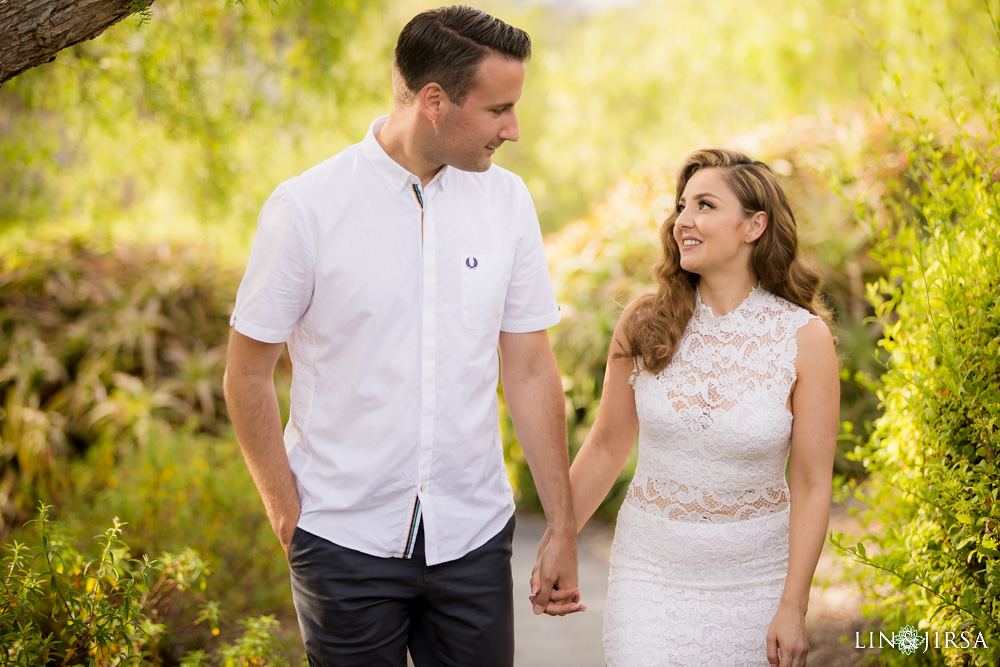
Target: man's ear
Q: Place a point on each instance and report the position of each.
(432, 101)
(758, 223)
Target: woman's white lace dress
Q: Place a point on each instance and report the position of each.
(701, 546)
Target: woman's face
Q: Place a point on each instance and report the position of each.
(711, 230)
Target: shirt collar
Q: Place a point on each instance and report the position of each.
(393, 173)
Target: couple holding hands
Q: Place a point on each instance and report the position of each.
(396, 269)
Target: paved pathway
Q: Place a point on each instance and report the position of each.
(545, 640)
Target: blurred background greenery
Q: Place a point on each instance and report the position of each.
(132, 169)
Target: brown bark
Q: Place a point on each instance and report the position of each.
(33, 31)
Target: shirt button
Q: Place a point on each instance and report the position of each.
(423, 487)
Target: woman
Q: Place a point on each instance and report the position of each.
(726, 372)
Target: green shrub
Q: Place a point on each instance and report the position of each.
(103, 344)
(59, 607)
(185, 490)
(111, 362)
(932, 460)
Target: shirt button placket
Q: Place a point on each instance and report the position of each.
(428, 364)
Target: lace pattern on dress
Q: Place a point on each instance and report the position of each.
(680, 502)
(715, 427)
(700, 553)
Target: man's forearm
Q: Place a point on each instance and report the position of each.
(253, 407)
(537, 408)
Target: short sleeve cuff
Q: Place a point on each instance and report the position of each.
(259, 333)
(529, 325)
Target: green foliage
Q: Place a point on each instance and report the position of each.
(57, 606)
(627, 90)
(933, 492)
(111, 363)
(189, 121)
(214, 103)
(183, 490)
(103, 345)
(140, 8)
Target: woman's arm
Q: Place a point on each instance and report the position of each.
(606, 448)
(604, 452)
(815, 409)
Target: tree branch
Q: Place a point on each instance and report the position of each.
(32, 32)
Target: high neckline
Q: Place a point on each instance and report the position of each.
(706, 311)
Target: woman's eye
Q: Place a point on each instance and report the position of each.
(680, 207)
(704, 205)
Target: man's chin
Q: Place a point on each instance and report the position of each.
(477, 166)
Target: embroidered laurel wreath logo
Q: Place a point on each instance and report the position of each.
(471, 262)
(907, 640)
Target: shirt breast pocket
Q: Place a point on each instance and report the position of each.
(484, 290)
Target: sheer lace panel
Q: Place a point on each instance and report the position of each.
(680, 502)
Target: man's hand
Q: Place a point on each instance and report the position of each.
(533, 390)
(284, 528)
(554, 578)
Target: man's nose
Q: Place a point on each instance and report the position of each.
(510, 131)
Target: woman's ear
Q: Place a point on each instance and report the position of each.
(758, 223)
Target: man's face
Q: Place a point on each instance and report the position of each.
(466, 136)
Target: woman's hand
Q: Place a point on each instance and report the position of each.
(787, 634)
(560, 601)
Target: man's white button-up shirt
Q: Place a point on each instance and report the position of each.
(391, 297)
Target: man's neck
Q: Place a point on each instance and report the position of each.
(399, 138)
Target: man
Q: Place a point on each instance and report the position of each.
(394, 270)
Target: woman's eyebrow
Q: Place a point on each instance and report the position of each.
(703, 195)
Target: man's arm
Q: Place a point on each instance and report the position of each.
(533, 390)
(253, 407)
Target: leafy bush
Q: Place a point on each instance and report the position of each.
(59, 607)
(184, 490)
(111, 363)
(933, 494)
(103, 345)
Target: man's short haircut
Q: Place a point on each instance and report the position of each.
(446, 45)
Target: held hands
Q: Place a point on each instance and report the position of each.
(787, 634)
(554, 578)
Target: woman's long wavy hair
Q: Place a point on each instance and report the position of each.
(657, 321)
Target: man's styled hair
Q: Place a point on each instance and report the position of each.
(446, 45)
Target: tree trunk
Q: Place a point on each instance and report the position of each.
(33, 31)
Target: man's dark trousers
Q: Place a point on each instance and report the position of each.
(357, 609)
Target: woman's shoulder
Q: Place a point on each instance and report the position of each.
(789, 311)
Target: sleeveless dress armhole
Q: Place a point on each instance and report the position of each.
(634, 375)
(800, 318)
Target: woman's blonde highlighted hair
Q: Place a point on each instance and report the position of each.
(656, 322)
